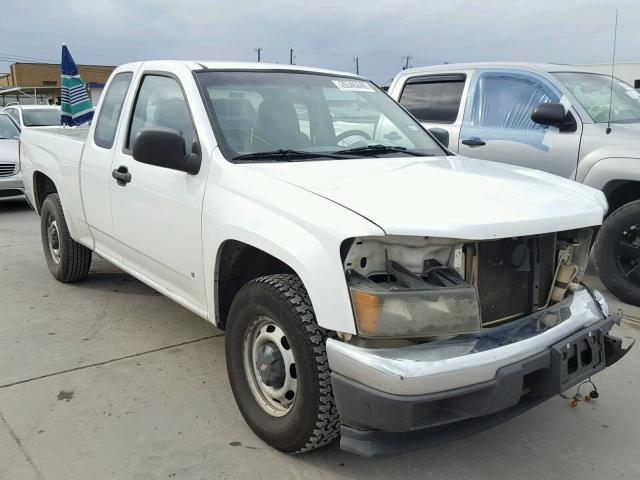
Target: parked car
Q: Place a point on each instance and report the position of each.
(550, 117)
(27, 116)
(10, 176)
(369, 282)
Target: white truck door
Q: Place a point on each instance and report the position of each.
(497, 123)
(157, 214)
(436, 100)
(95, 169)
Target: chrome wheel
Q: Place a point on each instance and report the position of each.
(53, 239)
(269, 366)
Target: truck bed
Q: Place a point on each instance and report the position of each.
(78, 133)
(58, 152)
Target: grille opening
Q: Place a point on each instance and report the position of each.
(10, 193)
(513, 275)
(7, 169)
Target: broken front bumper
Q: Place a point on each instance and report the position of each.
(500, 369)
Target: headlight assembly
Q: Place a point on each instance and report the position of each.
(413, 312)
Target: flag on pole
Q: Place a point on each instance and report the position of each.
(76, 107)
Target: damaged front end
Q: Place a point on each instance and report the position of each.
(411, 287)
(452, 330)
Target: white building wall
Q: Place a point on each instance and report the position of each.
(627, 72)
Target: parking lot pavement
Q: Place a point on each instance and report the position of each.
(106, 379)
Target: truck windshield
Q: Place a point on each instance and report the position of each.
(41, 117)
(8, 129)
(277, 115)
(593, 91)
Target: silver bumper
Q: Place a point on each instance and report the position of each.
(14, 182)
(464, 360)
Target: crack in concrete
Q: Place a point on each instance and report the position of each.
(105, 362)
(21, 244)
(21, 447)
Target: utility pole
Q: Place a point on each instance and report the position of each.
(355, 59)
(406, 61)
(259, 52)
(291, 56)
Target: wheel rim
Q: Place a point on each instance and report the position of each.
(269, 366)
(628, 253)
(53, 239)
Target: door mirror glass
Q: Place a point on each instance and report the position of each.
(441, 135)
(164, 147)
(554, 114)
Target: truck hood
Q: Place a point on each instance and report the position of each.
(451, 196)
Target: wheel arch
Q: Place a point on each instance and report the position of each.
(237, 263)
(43, 186)
(620, 192)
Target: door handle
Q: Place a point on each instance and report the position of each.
(121, 175)
(473, 142)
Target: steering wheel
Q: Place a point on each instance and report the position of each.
(352, 133)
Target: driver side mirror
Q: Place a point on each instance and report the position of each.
(164, 147)
(441, 135)
(554, 114)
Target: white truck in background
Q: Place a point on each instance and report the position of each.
(369, 282)
(550, 117)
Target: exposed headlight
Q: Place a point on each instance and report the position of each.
(414, 312)
(390, 301)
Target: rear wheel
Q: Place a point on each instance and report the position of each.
(617, 253)
(277, 365)
(68, 261)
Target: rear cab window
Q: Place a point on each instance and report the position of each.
(434, 98)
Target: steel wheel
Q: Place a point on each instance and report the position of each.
(269, 366)
(53, 237)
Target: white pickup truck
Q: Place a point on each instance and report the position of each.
(369, 282)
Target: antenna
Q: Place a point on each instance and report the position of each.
(613, 65)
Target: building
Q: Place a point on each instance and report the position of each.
(628, 72)
(30, 83)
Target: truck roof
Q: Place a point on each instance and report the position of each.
(225, 65)
(539, 67)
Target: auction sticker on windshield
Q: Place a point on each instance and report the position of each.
(353, 86)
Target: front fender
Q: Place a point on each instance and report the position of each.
(606, 170)
(299, 228)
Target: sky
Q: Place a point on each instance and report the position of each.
(325, 34)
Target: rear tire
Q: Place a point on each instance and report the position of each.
(615, 250)
(68, 261)
(275, 312)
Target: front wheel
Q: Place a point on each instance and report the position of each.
(68, 261)
(617, 253)
(277, 365)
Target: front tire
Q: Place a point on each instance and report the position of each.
(617, 253)
(68, 261)
(277, 365)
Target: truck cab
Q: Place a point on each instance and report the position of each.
(554, 118)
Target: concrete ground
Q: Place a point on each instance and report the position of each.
(106, 379)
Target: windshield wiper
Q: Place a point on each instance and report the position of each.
(285, 155)
(378, 149)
